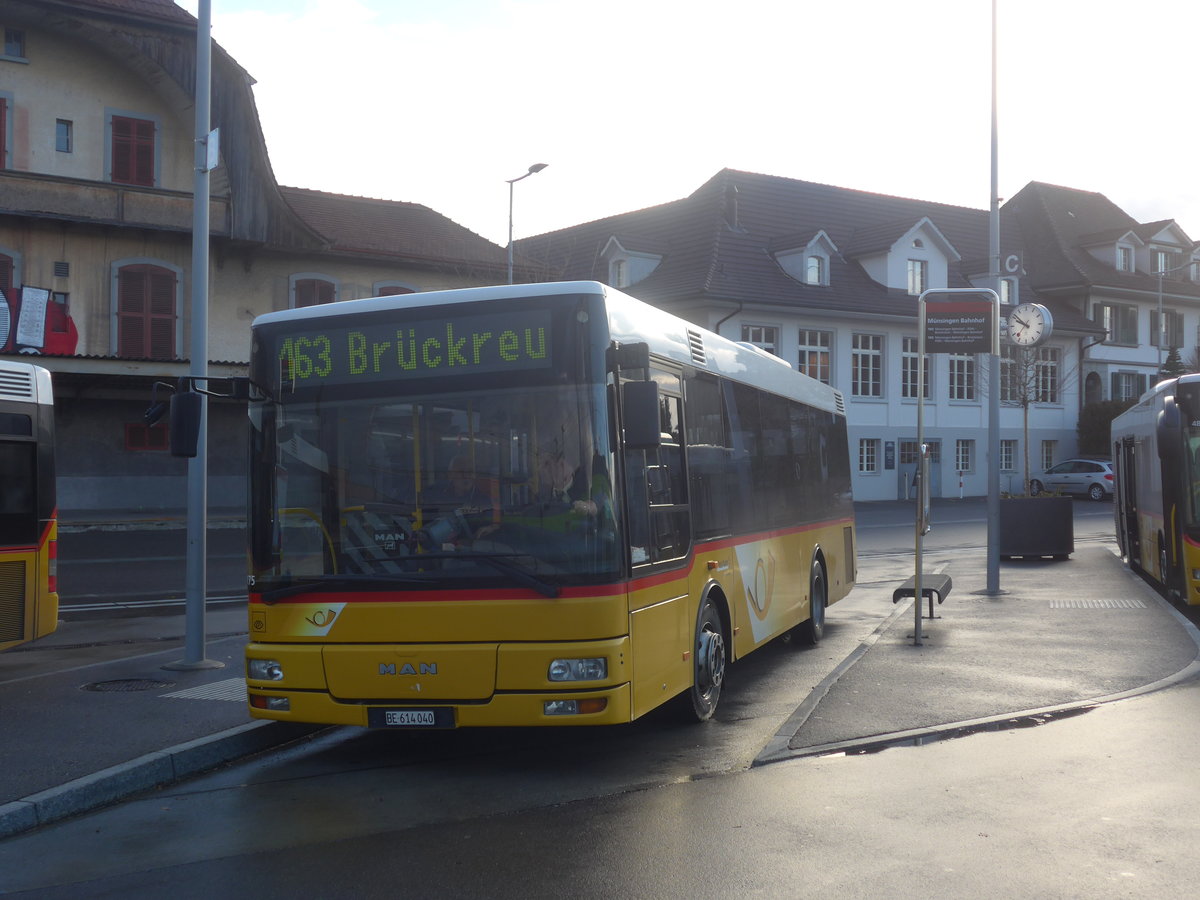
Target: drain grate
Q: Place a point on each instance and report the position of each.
(1106, 603)
(127, 685)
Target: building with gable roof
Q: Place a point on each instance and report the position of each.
(96, 181)
(828, 278)
(1139, 282)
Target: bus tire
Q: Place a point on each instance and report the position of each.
(813, 629)
(708, 666)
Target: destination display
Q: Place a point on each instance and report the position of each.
(378, 351)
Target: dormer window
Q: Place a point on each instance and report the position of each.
(814, 270)
(1124, 259)
(627, 266)
(1164, 261)
(806, 257)
(618, 273)
(918, 276)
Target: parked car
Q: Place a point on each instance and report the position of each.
(1093, 477)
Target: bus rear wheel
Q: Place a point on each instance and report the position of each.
(709, 661)
(812, 630)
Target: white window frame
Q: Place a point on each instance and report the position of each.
(1008, 455)
(868, 456)
(1125, 258)
(1049, 451)
(807, 348)
(821, 263)
(964, 455)
(963, 381)
(757, 335)
(866, 365)
(908, 369)
(918, 276)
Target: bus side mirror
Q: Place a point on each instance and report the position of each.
(1167, 425)
(184, 430)
(639, 415)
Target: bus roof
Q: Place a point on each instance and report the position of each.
(630, 321)
(25, 381)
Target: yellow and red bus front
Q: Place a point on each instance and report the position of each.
(513, 657)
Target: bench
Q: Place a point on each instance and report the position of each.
(932, 584)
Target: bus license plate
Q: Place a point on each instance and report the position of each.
(410, 718)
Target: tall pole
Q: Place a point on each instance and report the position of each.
(993, 504)
(533, 170)
(197, 480)
(510, 212)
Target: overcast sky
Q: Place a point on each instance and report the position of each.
(633, 103)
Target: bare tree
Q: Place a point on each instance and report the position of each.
(1030, 375)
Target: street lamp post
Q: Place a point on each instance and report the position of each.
(533, 170)
(1162, 322)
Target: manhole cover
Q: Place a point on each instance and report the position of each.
(124, 685)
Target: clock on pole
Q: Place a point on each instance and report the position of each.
(1030, 324)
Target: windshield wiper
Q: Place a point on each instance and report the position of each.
(338, 581)
(519, 573)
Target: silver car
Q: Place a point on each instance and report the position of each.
(1093, 477)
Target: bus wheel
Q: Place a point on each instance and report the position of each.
(709, 665)
(812, 630)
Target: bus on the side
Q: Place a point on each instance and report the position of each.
(545, 504)
(28, 511)
(1156, 494)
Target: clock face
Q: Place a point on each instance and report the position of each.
(1029, 324)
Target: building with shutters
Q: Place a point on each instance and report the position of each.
(828, 278)
(96, 180)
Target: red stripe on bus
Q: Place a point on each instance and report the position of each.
(676, 573)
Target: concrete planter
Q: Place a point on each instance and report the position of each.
(1037, 526)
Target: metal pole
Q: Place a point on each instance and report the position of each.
(993, 504)
(533, 170)
(1161, 326)
(197, 481)
(510, 211)
(922, 473)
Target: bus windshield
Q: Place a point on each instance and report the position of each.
(466, 487)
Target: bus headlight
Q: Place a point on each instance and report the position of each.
(264, 670)
(591, 669)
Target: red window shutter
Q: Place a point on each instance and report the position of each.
(146, 312)
(133, 151)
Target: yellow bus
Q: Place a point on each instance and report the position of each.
(543, 504)
(28, 512)
(1156, 490)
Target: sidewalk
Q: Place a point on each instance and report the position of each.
(90, 715)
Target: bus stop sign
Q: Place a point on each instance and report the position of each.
(960, 324)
